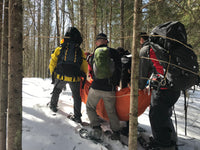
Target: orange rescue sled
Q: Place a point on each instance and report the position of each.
(122, 102)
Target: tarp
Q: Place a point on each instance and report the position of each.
(122, 102)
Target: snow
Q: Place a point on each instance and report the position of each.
(43, 130)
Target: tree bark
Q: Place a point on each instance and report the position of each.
(58, 23)
(82, 22)
(70, 5)
(34, 52)
(63, 17)
(110, 23)
(133, 122)
(4, 80)
(1, 25)
(48, 34)
(122, 23)
(39, 42)
(15, 44)
(95, 21)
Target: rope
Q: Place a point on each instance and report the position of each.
(170, 64)
(165, 37)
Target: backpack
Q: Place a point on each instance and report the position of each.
(169, 35)
(103, 64)
(169, 42)
(69, 60)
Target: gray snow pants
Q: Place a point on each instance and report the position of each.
(109, 102)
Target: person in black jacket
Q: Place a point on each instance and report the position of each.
(162, 100)
(126, 70)
(105, 89)
(126, 66)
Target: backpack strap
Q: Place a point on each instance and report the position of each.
(159, 79)
(164, 81)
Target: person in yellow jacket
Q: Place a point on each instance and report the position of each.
(67, 75)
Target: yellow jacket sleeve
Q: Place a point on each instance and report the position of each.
(84, 65)
(54, 59)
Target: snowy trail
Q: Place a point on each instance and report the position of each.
(44, 131)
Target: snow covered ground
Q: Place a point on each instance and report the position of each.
(44, 131)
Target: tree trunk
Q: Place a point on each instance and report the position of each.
(15, 44)
(122, 23)
(110, 23)
(58, 23)
(133, 122)
(39, 42)
(48, 34)
(70, 5)
(95, 21)
(4, 80)
(63, 17)
(34, 53)
(81, 26)
(1, 25)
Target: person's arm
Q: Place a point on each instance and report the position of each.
(90, 67)
(54, 59)
(84, 65)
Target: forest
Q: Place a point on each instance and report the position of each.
(31, 29)
(46, 21)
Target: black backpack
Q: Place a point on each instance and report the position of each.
(70, 57)
(169, 42)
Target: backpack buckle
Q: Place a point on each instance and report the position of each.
(163, 82)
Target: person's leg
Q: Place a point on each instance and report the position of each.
(75, 88)
(55, 94)
(160, 115)
(109, 103)
(92, 101)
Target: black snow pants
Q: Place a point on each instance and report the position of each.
(75, 88)
(160, 114)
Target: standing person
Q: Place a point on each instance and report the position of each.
(104, 87)
(126, 66)
(162, 100)
(68, 63)
(126, 71)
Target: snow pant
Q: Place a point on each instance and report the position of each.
(160, 114)
(109, 102)
(75, 88)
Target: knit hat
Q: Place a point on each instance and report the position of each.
(101, 36)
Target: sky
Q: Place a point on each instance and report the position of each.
(45, 130)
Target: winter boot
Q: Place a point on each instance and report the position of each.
(96, 133)
(76, 119)
(53, 108)
(115, 135)
(157, 146)
(125, 131)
